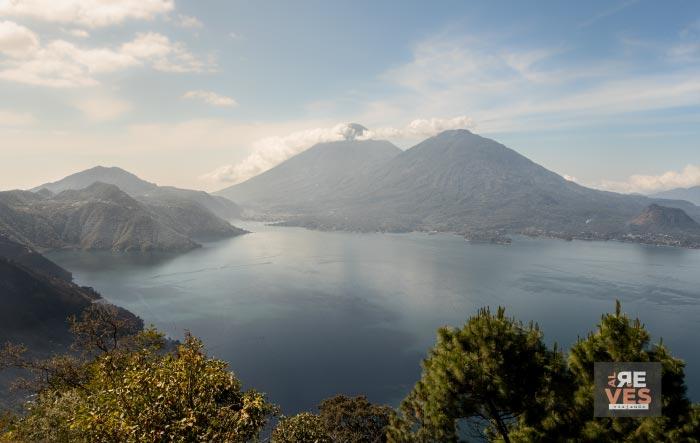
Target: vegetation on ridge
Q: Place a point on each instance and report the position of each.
(493, 379)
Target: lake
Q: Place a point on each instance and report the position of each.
(303, 315)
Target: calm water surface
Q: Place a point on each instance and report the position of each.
(303, 315)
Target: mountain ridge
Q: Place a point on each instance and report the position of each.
(315, 174)
(124, 180)
(24, 255)
(103, 217)
(141, 190)
(458, 181)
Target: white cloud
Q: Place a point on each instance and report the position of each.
(165, 55)
(270, 151)
(77, 32)
(148, 45)
(188, 21)
(210, 98)
(12, 118)
(90, 13)
(100, 109)
(16, 40)
(422, 128)
(649, 184)
(63, 64)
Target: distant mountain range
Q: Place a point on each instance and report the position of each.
(142, 190)
(455, 181)
(689, 194)
(82, 212)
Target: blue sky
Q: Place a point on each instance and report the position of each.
(203, 94)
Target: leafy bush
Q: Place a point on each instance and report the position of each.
(133, 391)
(340, 419)
(304, 427)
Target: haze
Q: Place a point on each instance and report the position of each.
(206, 94)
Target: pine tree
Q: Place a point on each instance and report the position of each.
(487, 375)
(616, 339)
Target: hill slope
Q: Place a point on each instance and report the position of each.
(35, 306)
(316, 175)
(658, 219)
(217, 205)
(35, 309)
(27, 257)
(101, 216)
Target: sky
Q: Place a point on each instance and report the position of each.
(207, 93)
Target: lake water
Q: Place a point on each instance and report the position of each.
(303, 315)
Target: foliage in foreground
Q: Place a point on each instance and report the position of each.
(340, 419)
(492, 371)
(493, 379)
(133, 391)
(303, 427)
